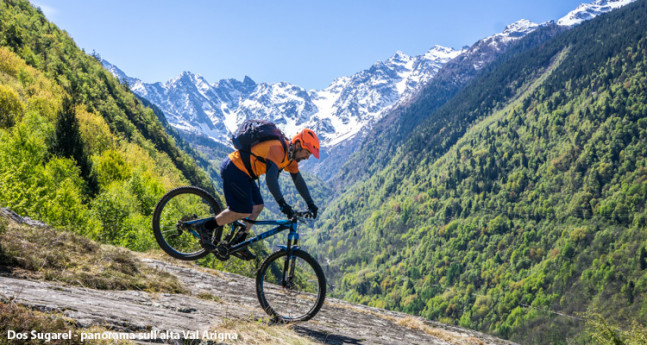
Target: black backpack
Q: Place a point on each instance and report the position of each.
(252, 132)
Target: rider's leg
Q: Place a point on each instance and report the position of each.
(257, 207)
(227, 216)
(223, 218)
(255, 212)
(245, 253)
(239, 191)
(257, 201)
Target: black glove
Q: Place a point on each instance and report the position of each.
(313, 210)
(286, 209)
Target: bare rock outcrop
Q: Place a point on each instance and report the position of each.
(338, 322)
(231, 299)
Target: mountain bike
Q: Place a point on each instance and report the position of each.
(290, 284)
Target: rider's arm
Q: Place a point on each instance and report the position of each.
(302, 188)
(272, 180)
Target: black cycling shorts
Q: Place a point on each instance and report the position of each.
(241, 192)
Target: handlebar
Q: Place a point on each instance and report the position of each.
(302, 216)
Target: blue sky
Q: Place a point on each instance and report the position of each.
(305, 42)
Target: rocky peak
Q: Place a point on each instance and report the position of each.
(521, 27)
(591, 10)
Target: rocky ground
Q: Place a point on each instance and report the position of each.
(219, 298)
(338, 322)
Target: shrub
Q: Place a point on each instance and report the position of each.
(10, 107)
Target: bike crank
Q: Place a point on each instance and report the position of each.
(222, 251)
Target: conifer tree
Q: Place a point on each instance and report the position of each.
(68, 143)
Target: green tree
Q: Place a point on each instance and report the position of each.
(10, 107)
(67, 143)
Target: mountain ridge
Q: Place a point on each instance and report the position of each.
(587, 11)
(300, 105)
(343, 114)
(349, 116)
(397, 125)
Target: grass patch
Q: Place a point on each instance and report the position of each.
(17, 318)
(208, 297)
(44, 253)
(450, 337)
(415, 323)
(21, 319)
(262, 333)
(601, 332)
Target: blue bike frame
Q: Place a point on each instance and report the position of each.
(281, 225)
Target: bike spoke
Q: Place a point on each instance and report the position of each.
(299, 297)
(183, 207)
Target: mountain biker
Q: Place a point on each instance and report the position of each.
(243, 196)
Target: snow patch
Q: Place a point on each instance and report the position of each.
(348, 106)
(591, 10)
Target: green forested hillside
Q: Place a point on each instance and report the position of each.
(519, 204)
(393, 130)
(77, 149)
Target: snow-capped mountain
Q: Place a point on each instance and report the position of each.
(591, 10)
(487, 49)
(349, 104)
(343, 113)
(393, 126)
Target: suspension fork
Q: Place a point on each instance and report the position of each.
(290, 259)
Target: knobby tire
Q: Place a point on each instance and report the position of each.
(261, 287)
(160, 229)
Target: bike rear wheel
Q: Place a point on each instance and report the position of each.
(302, 294)
(174, 235)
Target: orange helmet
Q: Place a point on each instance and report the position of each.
(308, 140)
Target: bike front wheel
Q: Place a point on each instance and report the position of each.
(173, 217)
(291, 288)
